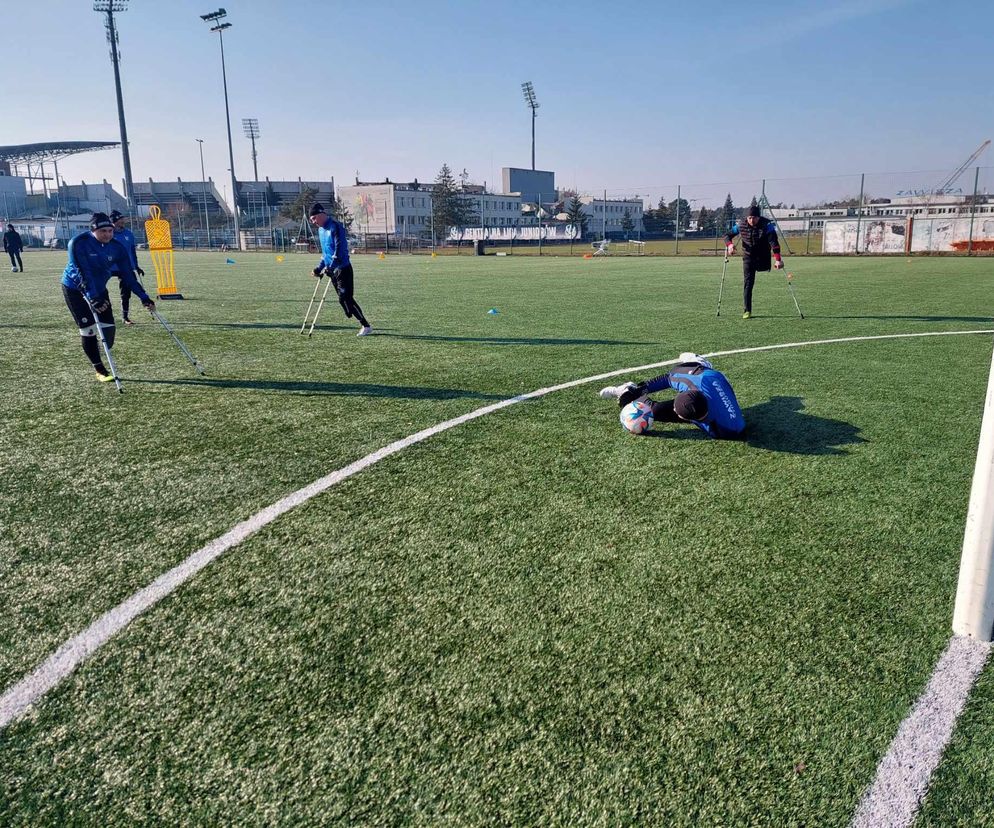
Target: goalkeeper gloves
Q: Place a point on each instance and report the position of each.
(631, 395)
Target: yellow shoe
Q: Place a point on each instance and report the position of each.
(104, 377)
(747, 315)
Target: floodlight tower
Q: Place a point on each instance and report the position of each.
(529, 93)
(108, 7)
(251, 128)
(215, 17)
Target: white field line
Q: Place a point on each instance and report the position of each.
(903, 775)
(17, 698)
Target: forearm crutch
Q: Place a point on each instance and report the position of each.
(317, 313)
(179, 343)
(721, 287)
(307, 313)
(106, 347)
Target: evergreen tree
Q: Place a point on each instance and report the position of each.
(727, 214)
(684, 212)
(448, 207)
(705, 221)
(627, 223)
(576, 216)
(300, 206)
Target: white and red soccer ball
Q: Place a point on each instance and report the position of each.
(637, 417)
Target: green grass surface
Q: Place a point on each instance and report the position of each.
(534, 618)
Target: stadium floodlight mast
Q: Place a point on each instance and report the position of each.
(529, 93)
(109, 7)
(203, 182)
(251, 128)
(214, 17)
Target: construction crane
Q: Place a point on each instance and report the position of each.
(941, 189)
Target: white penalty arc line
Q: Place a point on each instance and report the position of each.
(60, 664)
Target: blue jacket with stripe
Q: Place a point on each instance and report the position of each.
(91, 265)
(127, 238)
(334, 244)
(724, 418)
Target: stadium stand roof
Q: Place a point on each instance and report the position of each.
(50, 150)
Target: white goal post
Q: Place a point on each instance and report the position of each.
(973, 615)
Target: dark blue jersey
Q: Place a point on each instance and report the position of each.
(724, 417)
(127, 238)
(334, 244)
(91, 265)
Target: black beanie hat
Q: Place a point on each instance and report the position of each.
(316, 208)
(691, 405)
(754, 210)
(99, 220)
(115, 215)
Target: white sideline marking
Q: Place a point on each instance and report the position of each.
(904, 773)
(17, 698)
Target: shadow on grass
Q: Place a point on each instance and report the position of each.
(780, 425)
(987, 320)
(513, 340)
(336, 389)
(281, 326)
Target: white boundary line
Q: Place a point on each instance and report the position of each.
(60, 664)
(903, 775)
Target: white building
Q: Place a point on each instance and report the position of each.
(608, 216)
(403, 209)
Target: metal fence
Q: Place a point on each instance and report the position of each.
(911, 212)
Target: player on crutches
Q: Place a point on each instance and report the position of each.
(92, 255)
(336, 265)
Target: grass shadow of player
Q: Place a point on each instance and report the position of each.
(338, 389)
(280, 326)
(984, 320)
(779, 424)
(514, 340)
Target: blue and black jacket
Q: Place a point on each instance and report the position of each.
(91, 265)
(757, 242)
(127, 239)
(724, 418)
(334, 245)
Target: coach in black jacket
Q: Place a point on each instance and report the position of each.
(759, 240)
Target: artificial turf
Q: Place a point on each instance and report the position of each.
(534, 618)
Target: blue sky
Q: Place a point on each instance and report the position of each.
(634, 96)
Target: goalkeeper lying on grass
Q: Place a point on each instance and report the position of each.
(704, 398)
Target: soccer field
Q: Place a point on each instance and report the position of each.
(532, 617)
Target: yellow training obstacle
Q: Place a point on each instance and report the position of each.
(160, 245)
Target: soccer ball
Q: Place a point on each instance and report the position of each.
(637, 417)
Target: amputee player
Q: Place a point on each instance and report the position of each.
(92, 258)
(123, 235)
(336, 265)
(759, 241)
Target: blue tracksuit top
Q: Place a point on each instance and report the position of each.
(91, 265)
(724, 418)
(127, 238)
(334, 244)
